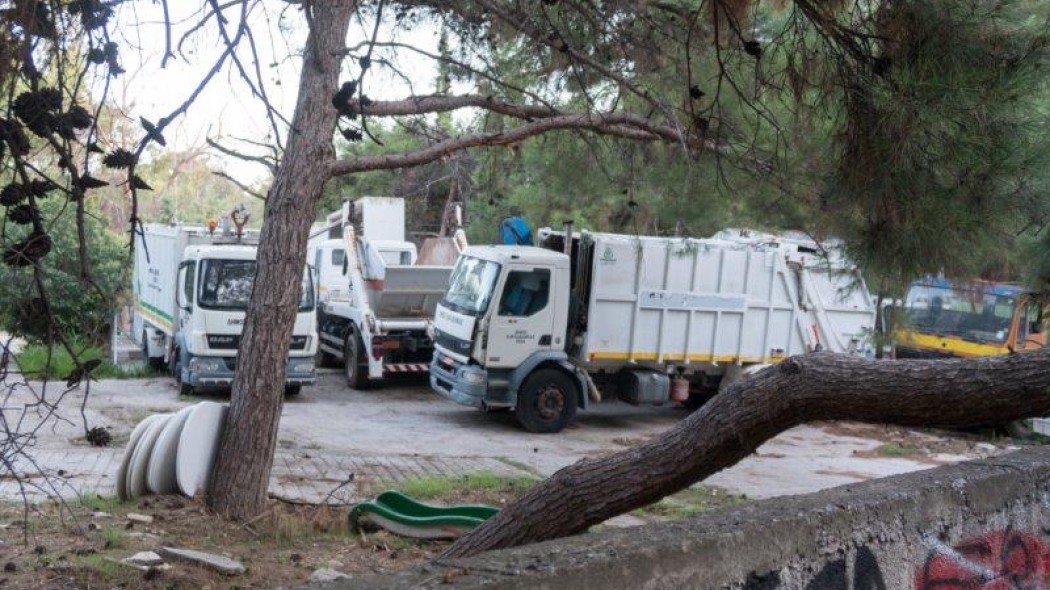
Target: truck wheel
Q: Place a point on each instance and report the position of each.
(353, 353)
(292, 390)
(547, 401)
(184, 388)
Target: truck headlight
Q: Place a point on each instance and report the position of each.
(206, 365)
(301, 366)
(474, 377)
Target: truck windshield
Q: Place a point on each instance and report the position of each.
(970, 314)
(470, 286)
(227, 284)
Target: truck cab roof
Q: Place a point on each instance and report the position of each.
(226, 251)
(523, 254)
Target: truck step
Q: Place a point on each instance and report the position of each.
(406, 368)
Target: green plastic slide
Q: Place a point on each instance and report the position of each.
(408, 517)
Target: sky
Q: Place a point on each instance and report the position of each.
(226, 108)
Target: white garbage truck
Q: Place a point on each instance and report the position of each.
(377, 293)
(546, 330)
(191, 287)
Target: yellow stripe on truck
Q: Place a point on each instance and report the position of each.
(948, 344)
(671, 357)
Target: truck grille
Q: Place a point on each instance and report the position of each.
(224, 341)
(233, 342)
(453, 344)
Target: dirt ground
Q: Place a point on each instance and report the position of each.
(81, 545)
(67, 549)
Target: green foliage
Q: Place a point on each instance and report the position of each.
(440, 488)
(99, 503)
(114, 538)
(897, 450)
(693, 501)
(82, 309)
(52, 361)
(947, 146)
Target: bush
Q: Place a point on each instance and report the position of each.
(81, 309)
(40, 361)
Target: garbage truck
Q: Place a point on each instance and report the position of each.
(191, 287)
(545, 331)
(378, 294)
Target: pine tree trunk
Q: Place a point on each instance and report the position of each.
(821, 386)
(242, 469)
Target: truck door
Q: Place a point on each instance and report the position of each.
(523, 317)
(184, 289)
(1030, 329)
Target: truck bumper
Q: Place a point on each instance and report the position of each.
(464, 384)
(213, 371)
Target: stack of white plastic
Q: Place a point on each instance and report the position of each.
(170, 453)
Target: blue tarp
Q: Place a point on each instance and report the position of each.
(515, 231)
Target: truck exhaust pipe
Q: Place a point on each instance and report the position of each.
(568, 237)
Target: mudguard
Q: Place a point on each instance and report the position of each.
(558, 357)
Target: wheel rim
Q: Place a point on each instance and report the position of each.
(550, 402)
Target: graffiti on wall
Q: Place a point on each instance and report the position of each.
(1000, 560)
(1005, 559)
(834, 575)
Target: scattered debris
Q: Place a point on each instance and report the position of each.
(142, 568)
(215, 562)
(325, 575)
(140, 518)
(145, 558)
(99, 436)
(101, 515)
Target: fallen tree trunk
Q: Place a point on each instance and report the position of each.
(820, 386)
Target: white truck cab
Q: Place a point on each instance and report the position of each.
(214, 285)
(191, 287)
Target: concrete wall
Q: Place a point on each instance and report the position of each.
(979, 525)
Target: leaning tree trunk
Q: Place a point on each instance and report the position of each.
(242, 470)
(821, 386)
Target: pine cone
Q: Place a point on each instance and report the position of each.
(12, 194)
(119, 158)
(28, 251)
(20, 214)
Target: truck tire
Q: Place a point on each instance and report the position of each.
(292, 390)
(176, 364)
(546, 401)
(353, 353)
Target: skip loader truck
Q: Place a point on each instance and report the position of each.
(377, 293)
(547, 330)
(191, 287)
